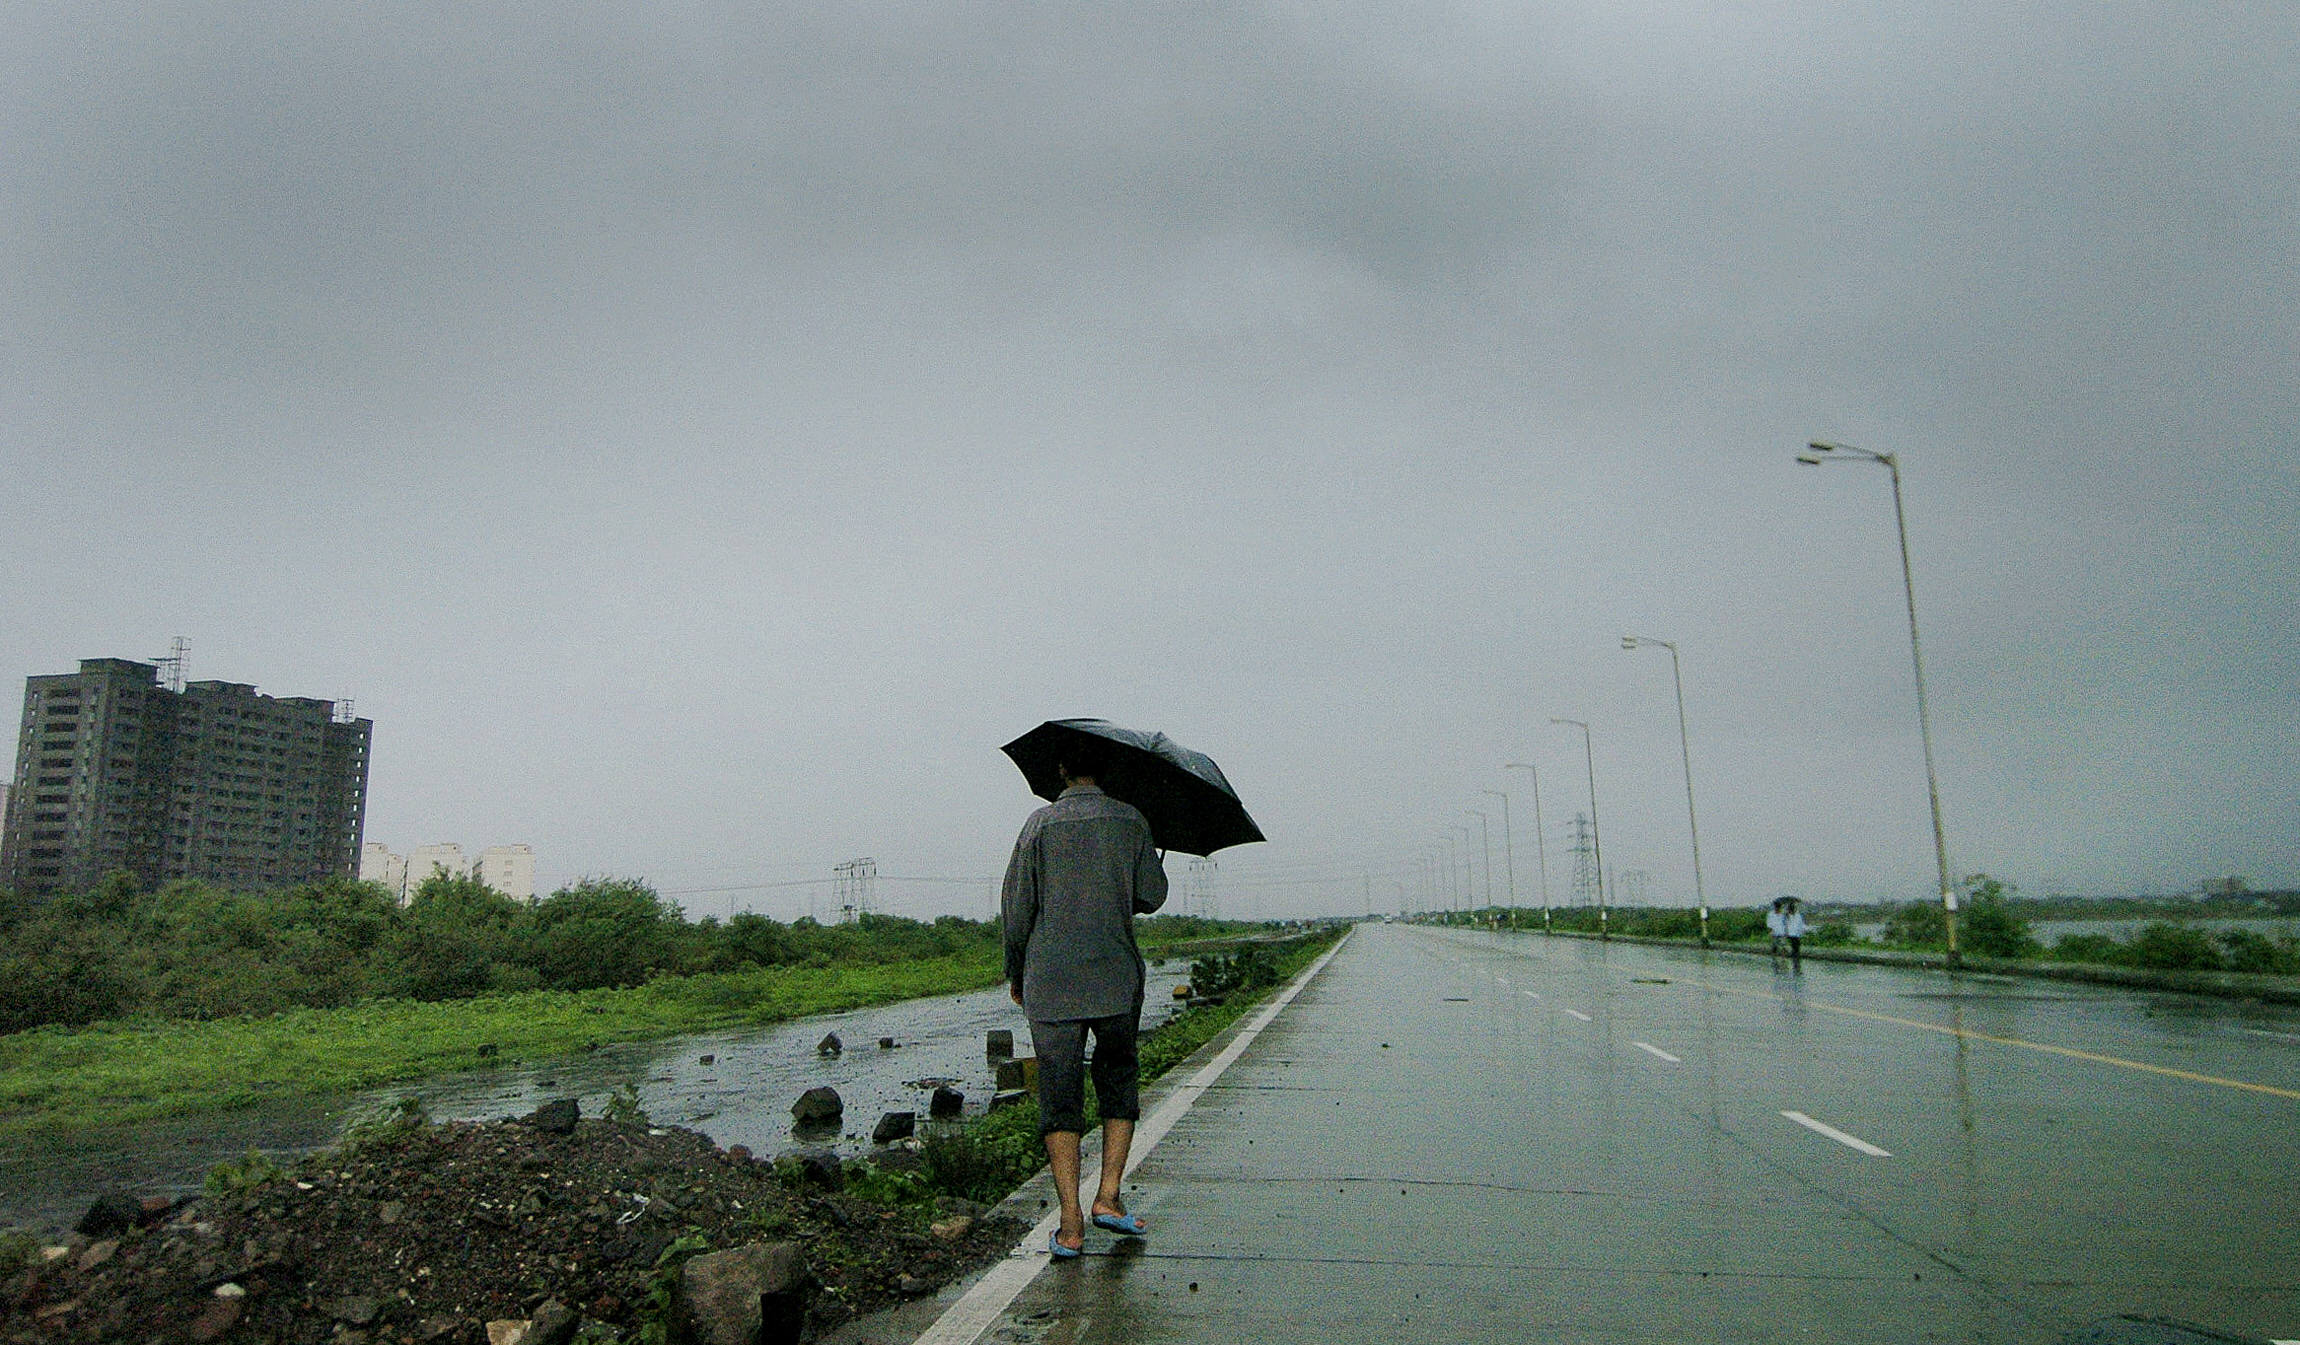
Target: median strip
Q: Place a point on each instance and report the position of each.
(1823, 1128)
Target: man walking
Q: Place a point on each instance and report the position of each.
(1083, 867)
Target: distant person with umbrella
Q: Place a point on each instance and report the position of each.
(1786, 924)
(1084, 866)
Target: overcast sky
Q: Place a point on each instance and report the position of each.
(699, 435)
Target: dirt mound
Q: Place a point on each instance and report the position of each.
(427, 1233)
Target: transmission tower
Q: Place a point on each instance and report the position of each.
(1632, 886)
(1584, 851)
(852, 885)
(1200, 884)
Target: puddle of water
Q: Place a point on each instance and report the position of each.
(743, 1097)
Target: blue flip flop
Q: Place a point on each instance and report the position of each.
(1059, 1252)
(1129, 1225)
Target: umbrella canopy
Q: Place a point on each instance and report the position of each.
(1190, 804)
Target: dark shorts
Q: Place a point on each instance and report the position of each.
(1063, 1067)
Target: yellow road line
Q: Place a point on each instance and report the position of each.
(2069, 1051)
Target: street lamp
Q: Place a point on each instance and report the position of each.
(1452, 875)
(1685, 749)
(1824, 451)
(1596, 834)
(1540, 837)
(1468, 872)
(1485, 846)
(1508, 853)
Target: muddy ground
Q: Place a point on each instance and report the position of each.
(426, 1233)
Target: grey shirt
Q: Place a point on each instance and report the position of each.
(1083, 866)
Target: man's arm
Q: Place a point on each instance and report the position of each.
(1018, 905)
(1149, 879)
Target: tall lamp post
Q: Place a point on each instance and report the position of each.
(1540, 837)
(1596, 833)
(1485, 846)
(1452, 875)
(1824, 451)
(1468, 873)
(1685, 750)
(1508, 853)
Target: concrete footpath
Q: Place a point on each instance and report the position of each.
(1456, 1136)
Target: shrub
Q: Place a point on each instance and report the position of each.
(2259, 954)
(2091, 948)
(1918, 924)
(1832, 934)
(242, 1174)
(1988, 927)
(2170, 947)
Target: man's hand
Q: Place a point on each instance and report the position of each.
(1014, 992)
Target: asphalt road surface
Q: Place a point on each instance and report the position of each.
(1461, 1136)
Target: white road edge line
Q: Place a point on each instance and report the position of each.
(1820, 1128)
(2287, 1036)
(973, 1314)
(1580, 1015)
(1650, 1049)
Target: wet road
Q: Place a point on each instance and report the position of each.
(1454, 1136)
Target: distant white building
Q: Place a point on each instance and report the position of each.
(377, 864)
(509, 869)
(440, 857)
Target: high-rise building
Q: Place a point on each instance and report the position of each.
(115, 771)
(509, 869)
(440, 858)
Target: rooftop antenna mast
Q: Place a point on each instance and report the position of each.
(173, 663)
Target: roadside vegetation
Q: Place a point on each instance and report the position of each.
(1992, 922)
(124, 1005)
(188, 950)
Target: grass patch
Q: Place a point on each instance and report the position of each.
(60, 1079)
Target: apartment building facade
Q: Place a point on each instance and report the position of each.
(214, 782)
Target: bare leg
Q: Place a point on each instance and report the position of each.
(1062, 1156)
(1117, 1138)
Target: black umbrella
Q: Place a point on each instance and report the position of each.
(1188, 801)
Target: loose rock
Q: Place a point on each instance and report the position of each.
(895, 1125)
(819, 1106)
(753, 1295)
(830, 1045)
(999, 1044)
(554, 1323)
(110, 1214)
(946, 1103)
(557, 1117)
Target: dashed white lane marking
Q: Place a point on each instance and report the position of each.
(1529, 994)
(1849, 1141)
(1650, 1049)
(1580, 1015)
(970, 1316)
(1503, 979)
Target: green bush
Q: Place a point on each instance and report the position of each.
(2259, 954)
(1917, 924)
(1987, 927)
(2167, 947)
(2091, 948)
